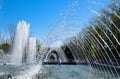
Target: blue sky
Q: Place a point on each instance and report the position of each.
(39, 13)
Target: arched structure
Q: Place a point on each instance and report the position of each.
(70, 56)
(73, 53)
(53, 58)
(56, 55)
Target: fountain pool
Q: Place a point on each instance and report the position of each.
(36, 71)
(95, 49)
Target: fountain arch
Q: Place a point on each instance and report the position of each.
(71, 48)
(57, 54)
(69, 54)
(53, 57)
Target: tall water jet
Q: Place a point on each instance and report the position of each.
(20, 40)
(31, 54)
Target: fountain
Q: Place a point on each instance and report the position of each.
(20, 42)
(23, 45)
(96, 48)
(99, 43)
(31, 54)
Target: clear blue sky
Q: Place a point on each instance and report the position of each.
(39, 13)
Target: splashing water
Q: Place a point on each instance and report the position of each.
(20, 41)
(31, 54)
(30, 72)
(89, 46)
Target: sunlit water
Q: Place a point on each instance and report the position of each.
(37, 71)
